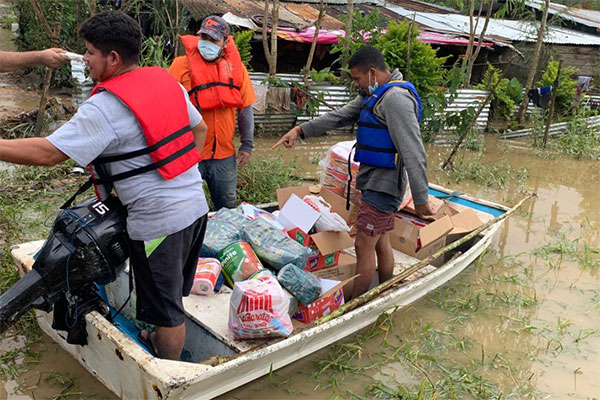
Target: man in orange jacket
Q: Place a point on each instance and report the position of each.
(219, 85)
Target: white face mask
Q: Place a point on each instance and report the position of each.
(208, 50)
(373, 88)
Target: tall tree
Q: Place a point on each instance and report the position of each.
(535, 59)
(348, 36)
(313, 46)
(271, 54)
(471, 53)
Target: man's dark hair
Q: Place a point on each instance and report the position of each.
(367, 57)
(114, 30)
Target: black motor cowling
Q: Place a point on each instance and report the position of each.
(87, 245)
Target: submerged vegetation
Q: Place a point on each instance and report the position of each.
(451, 354)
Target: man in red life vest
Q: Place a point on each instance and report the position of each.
(141, 135)
(218, 85)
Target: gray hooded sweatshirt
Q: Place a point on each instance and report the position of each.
(398, 110)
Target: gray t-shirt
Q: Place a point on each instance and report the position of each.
(104, 125)
(397, 110)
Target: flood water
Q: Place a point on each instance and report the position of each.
(551, 347)
(539, 339)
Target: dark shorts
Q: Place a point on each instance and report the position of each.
(376, 212)
(164, 270)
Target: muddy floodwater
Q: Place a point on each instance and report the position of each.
(524, 321)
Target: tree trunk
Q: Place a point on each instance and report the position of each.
(534, 62)
(552, 103)
(409, 47)
(92, 8)
(313, 46)
(469, 48)
(480, 40)
(265, 41)
(348, 38)
(274, 22)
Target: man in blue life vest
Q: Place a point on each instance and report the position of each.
(389, 147)
(142, 136)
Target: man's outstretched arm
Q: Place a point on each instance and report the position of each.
(12, 60)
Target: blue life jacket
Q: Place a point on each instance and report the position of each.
(374, 145)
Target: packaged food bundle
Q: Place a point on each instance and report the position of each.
(207, 272)
(251, 212)
(304, 285)
(266, 273)
(334, 170)
(239, 262)
(258, 309)
(329, 220)
(273, 246)
(337, 158)
(222, 229)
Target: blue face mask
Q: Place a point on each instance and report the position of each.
(373, 88)
(208, 50)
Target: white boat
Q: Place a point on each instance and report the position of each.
(114, 356)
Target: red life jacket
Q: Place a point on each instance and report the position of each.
(158, 103)
(214, 84)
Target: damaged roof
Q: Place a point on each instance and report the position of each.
(500, 31)
(581, 16)
(296, 15)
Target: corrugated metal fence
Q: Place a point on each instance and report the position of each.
(271, 123)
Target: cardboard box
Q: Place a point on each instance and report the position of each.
(338, 203)
(344, 270)
(295, 213)
(420, 242)
(331, 299)
(463, 223)
(450, 226)
(440, 206)
(329, 244)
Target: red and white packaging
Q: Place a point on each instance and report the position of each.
(207, 272)
(258, 308)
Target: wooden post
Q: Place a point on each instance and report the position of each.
(552, 102)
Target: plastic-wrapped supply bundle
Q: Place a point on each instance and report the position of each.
(251, 212)
(274, 247)
(329, 220)
(258, 309)
(239, 262)
(334, 170)
(224, 228)
(304, 285)
(266, 273)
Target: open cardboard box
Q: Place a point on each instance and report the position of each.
(331, 299)
(449, 226)
(344, 270)
(329, 244)
(298, 217)
(338, 203)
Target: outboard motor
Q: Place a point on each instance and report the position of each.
(87, 246)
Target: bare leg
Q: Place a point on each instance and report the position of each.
(385, 258)
(168, 341)
(365, 262)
